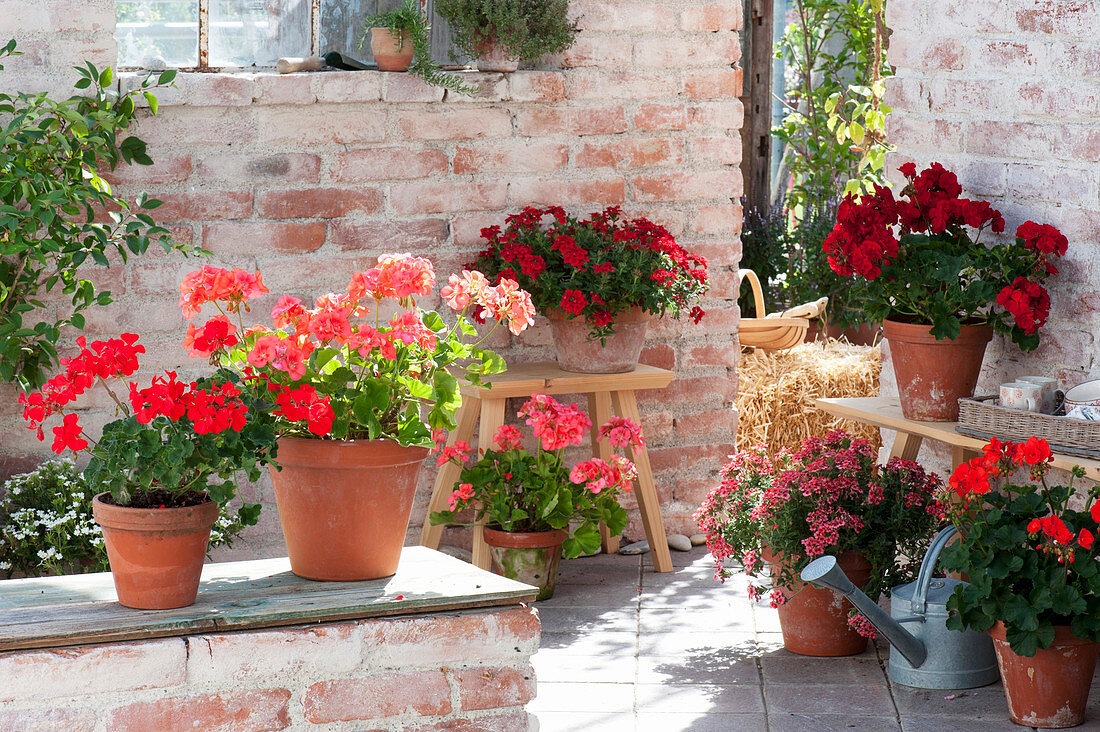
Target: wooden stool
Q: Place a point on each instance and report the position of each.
(606, 392)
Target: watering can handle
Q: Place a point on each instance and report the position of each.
(924, 579)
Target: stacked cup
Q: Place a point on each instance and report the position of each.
(1030, 393)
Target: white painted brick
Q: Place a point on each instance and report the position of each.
(294, 655)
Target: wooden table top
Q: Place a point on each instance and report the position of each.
(49, 612)
(886, 412)
(545, 377)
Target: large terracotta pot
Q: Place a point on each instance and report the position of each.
(491, 57)
(391, 52)
(814, 620)
(345, 505)
(1050, 689)
(528, 557)
(619, 352)
(933, 375)
(156, 554)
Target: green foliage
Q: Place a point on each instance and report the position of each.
(51, 202)
(524, 29)
(1019, 574)
(408, 19)
(46, 524)
(834, 126)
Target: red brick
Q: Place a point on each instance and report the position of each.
(603, 17)
(540, 121)
(453, 639)
(282, 167)
(401, 87)
(519, 157)
(165, 169)
(631, 153)
(388, 163)
(603, 84)
(724, 220)
(467, 230)
(47, 720)
(661, 117)
(941, 54)
(259, 237)
(419, 198)
(687, 186)
(1061, 17)
(660, 355)
(460, 124)
(491, 687)
(698, 389)
(325, 203)
(536, 86)
(264, 709)
(339, 87)
(671, 52)
(987, 137)
(727, 17)
(720, 424)
(688, 456)
(204, 206)
(340, 700)
(514, 722)
(389, 236)
(724, 150)
(717, 116)
(285, 89)
(316, 125)
(712, 83)
(602, 51)
(547, 192)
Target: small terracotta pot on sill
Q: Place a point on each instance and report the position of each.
(391, 52)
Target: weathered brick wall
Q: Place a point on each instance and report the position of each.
(1005, 93)
(467, 671)
(307, 177)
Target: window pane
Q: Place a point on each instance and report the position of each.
(258, 32)
(165, 28)
(341, 24)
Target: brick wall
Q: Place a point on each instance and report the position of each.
(468, 671)
(1005, 93)
(309, 176)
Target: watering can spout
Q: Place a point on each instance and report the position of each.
(824, 572)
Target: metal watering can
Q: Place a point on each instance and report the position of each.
(927, 655)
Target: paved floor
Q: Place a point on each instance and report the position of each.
(627, 650)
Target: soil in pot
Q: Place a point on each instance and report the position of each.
(345, 505)
(1050, 689)
(529, 557)
(391, 52)
(619, 353)
(814, 620)
(156, 554)
(933, 375)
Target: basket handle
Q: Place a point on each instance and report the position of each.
(757, 294)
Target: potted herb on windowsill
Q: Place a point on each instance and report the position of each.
(400, 42)
(501, 33)
(536, 509)
(357, 384)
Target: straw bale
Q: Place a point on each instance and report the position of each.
(775, 403)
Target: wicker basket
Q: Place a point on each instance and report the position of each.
(983, 417)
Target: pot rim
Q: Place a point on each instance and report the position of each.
(1063, 636)
(525, 539)
(344, 453)
(635, 314)
(175, 518)
(897, 330)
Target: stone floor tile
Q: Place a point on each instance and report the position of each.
(584, 722)
(959, 724)
(720, 666)
(608, 576)
(778, 722)
(733, 644)
(583, 697)
(690, 619)
(694, 698)
(784, 669)
(700, 722)
(624, 596)
(555, 666)
(853, 699)
(677, 596)
(617, 643)
(587, 619)
(985, 703)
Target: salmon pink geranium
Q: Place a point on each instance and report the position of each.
(514, 490)
(342, 370)
(1028, 547)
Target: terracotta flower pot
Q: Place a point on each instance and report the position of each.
(814, 620)
(528, 557)
(345, 505)
(933, 375)
(1050, 689)
(156, 554)
(391, 52)
(491, 57)
(619, 353)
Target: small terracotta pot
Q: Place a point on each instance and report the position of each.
(345, 505)
(1050, 689)
(618, 354)
(156, 554)
(528, 557)
(391, 52)
(491, 57)
(933, 375)
(814, 620)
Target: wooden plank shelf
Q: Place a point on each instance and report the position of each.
(77, 609)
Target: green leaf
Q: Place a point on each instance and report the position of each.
(151, 100)
(856, 132)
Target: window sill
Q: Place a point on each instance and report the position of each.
(240, 89)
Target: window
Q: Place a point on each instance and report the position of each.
(211, 34)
